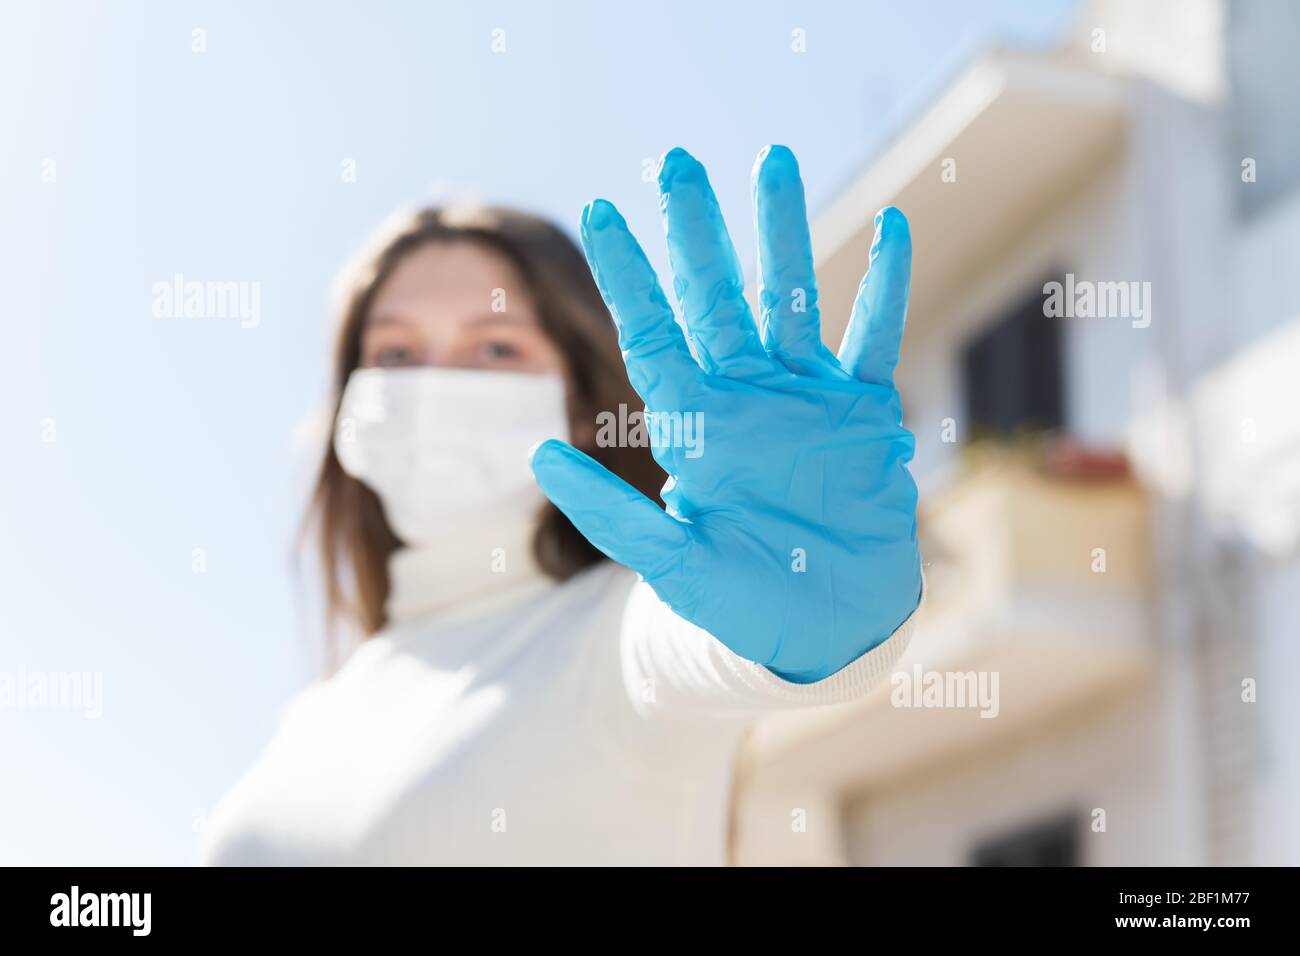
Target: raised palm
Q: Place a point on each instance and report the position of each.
(791, 527)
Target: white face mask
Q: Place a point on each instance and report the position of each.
(442, 447)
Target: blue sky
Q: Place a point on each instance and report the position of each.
(174, 434)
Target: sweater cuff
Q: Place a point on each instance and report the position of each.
(847, 684)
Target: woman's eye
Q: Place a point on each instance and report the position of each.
(499, 351)
(395, 355)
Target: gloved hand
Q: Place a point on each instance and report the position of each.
(791, 530)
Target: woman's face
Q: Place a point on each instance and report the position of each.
(456, 305)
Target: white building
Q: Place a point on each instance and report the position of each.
(1143, 630)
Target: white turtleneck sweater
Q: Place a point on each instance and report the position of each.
(504, 718)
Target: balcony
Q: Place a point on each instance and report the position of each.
(1039, 584)
(1023, 135)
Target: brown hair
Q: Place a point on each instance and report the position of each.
(354, 539)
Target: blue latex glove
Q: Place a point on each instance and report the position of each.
(792, 537)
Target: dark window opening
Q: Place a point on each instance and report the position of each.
(1012, 373)
(1051, 843)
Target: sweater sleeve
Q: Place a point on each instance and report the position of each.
(673, 669)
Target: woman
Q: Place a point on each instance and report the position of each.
(519, 699)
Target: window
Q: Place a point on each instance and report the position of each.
(1012, 372)
(1264, 74)
(1053, 842)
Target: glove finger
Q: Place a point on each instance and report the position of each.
(706, 273)
(618, 520)
(874, 336)
(654, 348)
(787, 285)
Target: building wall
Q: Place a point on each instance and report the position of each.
(1187, 772)
(1277, 812)
(1096, 236)
(1113, 756)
